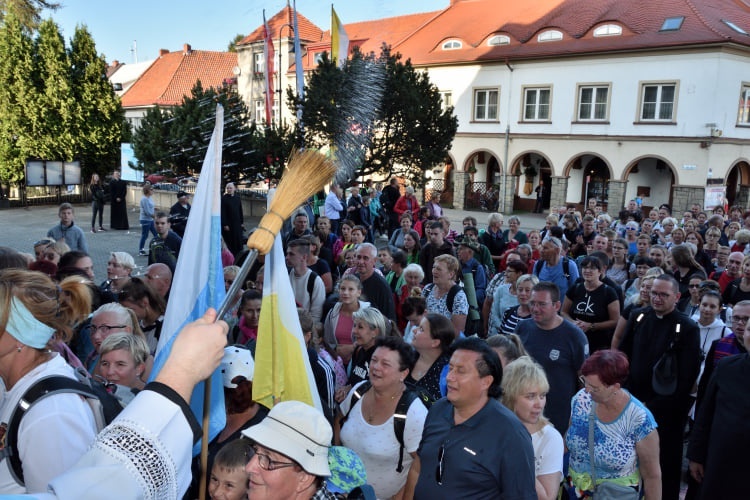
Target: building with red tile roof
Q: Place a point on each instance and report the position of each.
(172, 76)
(612, 99)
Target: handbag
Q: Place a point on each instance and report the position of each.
(664, 376)
(606, 490)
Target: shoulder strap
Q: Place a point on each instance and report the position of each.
(43, 388)
(566, 268)
(311, 283)
(451, 297)
(399, 422)
(356, 396)
(538, 267)
(591, 445)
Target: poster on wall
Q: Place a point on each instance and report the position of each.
(715, 197)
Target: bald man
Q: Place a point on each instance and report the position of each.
(159, 276)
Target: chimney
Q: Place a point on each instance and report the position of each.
(186, 49)
(163, 52)
(115, 63)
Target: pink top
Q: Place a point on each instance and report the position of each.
(344, 329)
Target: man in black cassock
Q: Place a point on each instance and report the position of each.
(118, 190)
(232, 219)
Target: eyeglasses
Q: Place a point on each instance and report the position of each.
(539, 304)
(740, 319)
(694, 286)
(439, 469)
(660, 295)
(591, 388)
(266, 463)
(105, 328)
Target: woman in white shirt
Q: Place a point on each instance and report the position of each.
(525, 388)
(55, 432)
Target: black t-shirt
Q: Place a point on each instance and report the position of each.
(360, 365)
(591, 307)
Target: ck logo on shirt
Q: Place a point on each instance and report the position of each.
(585, 307)
(554, 355)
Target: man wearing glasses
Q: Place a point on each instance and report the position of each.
(472, 446)
(556, 344)
(291, 453)
(648, 336)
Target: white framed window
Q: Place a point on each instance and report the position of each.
(498, 40)
(259, 63)
(486, 104)
(593, 102)
(452, 45)
(608, 30)
(743, 116)
(658, 101)
(536, 103)
(259, 111)
(446, 99)
(550, 36)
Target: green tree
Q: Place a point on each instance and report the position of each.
(232, 47)
(98, 116)
(17, 99)
(54, 112)
(27, 12)
(150, 141)
(411, 133)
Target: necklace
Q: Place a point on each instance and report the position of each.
(370, 417)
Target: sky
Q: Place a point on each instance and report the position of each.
(149, 25)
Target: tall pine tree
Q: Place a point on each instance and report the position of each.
(98, 116)
(17, 99)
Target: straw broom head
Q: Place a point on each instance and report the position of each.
(307, 173)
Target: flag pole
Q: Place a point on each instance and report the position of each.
(307, 173)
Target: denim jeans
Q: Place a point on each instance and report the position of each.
(146, 226)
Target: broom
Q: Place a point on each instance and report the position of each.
(307, 173)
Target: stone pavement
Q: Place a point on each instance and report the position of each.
(21, 227)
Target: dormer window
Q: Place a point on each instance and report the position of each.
(499, 40)
(608, 30)
(452, 45)
(550, 36)
(672, 23)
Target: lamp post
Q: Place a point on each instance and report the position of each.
(281, 97)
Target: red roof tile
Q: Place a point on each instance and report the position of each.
(173, 75)
(308, 31)
(474, 21)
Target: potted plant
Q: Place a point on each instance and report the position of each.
(530, 172)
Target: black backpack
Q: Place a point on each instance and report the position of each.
(566, 267)
(399, 417)
(449, 298)
(104, 406)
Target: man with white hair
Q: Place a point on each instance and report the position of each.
(374, 287)
(553, 267)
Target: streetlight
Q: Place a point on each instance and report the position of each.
(281, 97)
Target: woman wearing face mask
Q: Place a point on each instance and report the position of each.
(525, 388)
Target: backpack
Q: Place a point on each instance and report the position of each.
(411, 393)
(450, 297)
(160, 253)
(311, 284)
(104, 406)
(566, 267)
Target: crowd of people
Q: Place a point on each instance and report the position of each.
(571, 360)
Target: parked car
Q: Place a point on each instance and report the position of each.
(162, 176)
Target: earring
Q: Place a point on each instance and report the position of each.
(19, 348)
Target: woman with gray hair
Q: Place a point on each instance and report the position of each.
(369, 325)
(123, 362)
(407, 204)
(109, 319)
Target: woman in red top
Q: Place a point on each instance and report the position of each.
(407, 203)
